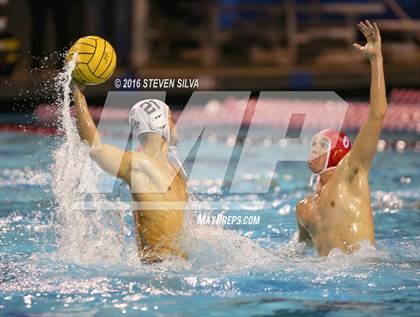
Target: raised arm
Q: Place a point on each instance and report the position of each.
(110, 158)
(85, 124)
(364, 148)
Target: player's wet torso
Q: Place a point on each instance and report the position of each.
(158, 214)
(339, 214)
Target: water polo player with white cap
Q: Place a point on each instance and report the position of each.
(154, 116)
(337, 212)
(157, 186)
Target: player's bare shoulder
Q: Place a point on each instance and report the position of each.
(303, 203)
(141, 162)
(307, 210)
(138, 160)
(140, 166)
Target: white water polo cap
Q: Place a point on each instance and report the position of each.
(150, 116)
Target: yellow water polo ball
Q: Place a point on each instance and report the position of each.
(96, 60)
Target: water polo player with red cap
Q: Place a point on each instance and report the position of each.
(337, 212)
(335, 144)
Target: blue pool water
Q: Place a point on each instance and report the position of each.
(78, 267)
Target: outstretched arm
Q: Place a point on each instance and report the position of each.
(111, 159)
(364, 148)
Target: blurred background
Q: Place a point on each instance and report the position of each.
(226, 44)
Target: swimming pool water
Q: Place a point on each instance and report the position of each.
(238, 270)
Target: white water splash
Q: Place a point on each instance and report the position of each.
(83, 236)
(26, 176)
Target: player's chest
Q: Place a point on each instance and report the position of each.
(331, 199)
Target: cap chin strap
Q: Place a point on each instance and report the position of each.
(316, 177)
(313, 183)
(174, 151)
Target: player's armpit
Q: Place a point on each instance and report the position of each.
(303, 234)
